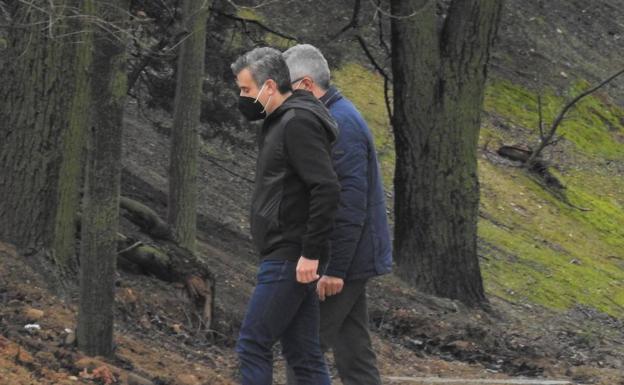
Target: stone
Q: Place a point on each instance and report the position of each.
(187, 379)
(462, 345)
(70, 339)
(135, 379)
(33, 315)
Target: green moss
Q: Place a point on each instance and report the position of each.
(74, 141)
(515, 103)
(278, 42)
(546, 251)
(366, 90)
(249, 14)
(606, 213)
(150, 253)
(119, 84)
(595, 127)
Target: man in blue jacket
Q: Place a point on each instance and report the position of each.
(360, 242)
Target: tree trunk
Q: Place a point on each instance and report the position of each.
(100, 219)
(182, 205)
(71, 176)
(439, 73)
(40, 125)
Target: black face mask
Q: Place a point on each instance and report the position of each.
(251, 109)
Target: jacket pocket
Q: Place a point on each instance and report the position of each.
(259, 229)
(265, 223)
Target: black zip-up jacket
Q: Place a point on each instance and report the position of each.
(296, 189)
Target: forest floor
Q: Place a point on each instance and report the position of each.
(416, 336)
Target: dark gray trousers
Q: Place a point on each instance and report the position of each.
(344, 329)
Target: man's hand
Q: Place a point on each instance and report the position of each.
(328, 286)
(307, 270)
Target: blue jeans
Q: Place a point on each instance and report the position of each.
(281, 309)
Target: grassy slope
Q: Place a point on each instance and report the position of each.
(534, 247)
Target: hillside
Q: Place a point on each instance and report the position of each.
(553, 263)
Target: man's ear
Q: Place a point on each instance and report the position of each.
(271, 86)
(308, 83)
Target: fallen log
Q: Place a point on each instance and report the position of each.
(167, 261)
(147, 260)
(539, 167)
(514, 153)
(145, 218)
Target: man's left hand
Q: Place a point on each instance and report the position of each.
(328, 286)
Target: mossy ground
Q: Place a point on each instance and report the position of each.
(534, 246)
(595, 125)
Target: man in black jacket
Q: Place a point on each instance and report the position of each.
(294, 202)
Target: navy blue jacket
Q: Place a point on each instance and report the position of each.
(360, 242)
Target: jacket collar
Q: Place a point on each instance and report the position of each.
(304, 100)
(331, 96)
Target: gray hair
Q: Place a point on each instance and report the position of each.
(307, 60)
(264, 63)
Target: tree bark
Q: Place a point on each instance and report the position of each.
(439, 71)
(100, 219)
(182, 205)
(41, 121)
(71, 175)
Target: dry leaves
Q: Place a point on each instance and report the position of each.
(102, 373)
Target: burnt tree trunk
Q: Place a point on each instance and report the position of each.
(100, 219)
(439, 72)
(182, 205)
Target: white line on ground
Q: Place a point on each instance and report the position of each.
(471, 381)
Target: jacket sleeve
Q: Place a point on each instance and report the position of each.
(308, 148)
(351, 165)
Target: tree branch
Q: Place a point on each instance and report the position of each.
(381, 71)
(370, 56)
(382, 40)
(540, 113)
(353, 23)
(255, 22)
(399, 17)
(145, 61)
(546, 141)
(242, 177)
